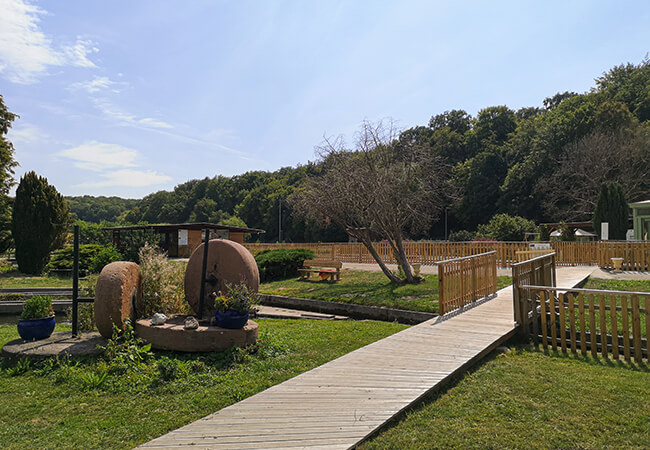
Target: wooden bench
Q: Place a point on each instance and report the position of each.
(324, 268)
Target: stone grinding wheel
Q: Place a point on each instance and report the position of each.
(119, 286)
(228, 263)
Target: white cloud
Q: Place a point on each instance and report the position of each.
(26, 52)
(114, 165)
(112, 111)
(95, 85)
(77, 54)
(26, 134)
(100, 156)
(127, 178)
(148, 121)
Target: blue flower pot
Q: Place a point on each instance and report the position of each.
(36, 329)
(231, 319)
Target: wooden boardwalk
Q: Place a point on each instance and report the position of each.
(344, 401)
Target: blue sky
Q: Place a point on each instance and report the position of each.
(129, 97)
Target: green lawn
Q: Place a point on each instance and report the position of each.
(366, 288)
(18, 280)
(618, 285)
(70, 406)
(527, 399)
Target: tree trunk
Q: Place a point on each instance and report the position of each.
(389, 273)
(400, 255)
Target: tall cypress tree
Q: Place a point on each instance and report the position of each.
(611, 207)
(39, 222)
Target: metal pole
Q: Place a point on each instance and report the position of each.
(75, 284)
(206, 241)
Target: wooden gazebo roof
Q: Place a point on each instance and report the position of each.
(162, 228)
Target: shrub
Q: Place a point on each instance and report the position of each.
(64, 258)
(281, 263)
(503, 227)
(106, 255)
(461, 236)
(162, 284)
(37, 307)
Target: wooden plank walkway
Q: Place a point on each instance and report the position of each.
(344, 401)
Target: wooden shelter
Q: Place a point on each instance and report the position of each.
(181, 239)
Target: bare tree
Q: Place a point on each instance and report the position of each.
(623, 157)
(380, 188)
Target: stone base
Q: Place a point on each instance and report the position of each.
(172, 336)
(59, 344)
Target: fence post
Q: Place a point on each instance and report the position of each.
(75, 284)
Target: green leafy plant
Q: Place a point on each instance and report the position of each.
(63, 259)
(125, 351)
(92, 380)
(37, 307)
(503, 227)
(106, 255)
(21, 367)
(237, 297)
(281, 263)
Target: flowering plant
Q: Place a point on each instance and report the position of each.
(237, 297)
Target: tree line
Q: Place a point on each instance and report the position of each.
(546, 164)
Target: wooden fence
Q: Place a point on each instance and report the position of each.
(636, 255)
(605, 322)
(462, 281)
(539, 271)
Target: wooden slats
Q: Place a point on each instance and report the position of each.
(600, 319)
(636, 255)
(465, 280)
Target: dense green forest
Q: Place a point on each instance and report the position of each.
(543, 163)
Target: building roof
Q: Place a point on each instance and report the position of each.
(186, 226)
(583, 233)
(643, 203)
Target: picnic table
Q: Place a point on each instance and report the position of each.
(324, 268)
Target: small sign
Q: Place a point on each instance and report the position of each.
(604, 231)
(540, 246)
(182, 237)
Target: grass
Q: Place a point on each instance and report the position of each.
(618, 285)
(366, 288)
(528, 399)
(76, 406)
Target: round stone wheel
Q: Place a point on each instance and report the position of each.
(228, 263)
(118, 288)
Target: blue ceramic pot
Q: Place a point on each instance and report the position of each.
(36, 329)
(231, 319)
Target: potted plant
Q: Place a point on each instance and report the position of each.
(233, 307)
(37, 320)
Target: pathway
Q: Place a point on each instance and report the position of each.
(344, 401)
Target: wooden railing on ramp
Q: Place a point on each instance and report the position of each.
(462, 281)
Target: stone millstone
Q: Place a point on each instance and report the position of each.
(228, 263)
(173, 335)
(118, 287)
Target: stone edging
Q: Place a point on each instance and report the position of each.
(347, 309)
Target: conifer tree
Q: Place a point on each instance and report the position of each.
(39, 222)
(611, 207)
